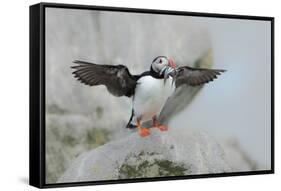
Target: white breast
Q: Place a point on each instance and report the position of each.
(150, 96)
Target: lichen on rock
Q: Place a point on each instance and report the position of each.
(171, 153)
(139, 166)
(64, 141)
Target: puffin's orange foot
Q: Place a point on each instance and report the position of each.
(144, 132)
(162, 127)
(156, 124)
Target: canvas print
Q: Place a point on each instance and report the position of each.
(140, 95)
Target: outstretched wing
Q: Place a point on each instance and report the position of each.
(195, 76)
(117, 79)
(184, 94)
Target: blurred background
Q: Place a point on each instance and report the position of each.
(79, 118)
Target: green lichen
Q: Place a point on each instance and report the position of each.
(68, 140)
(168, 168)
(149, 165)
(55, 109)
(96, 137)
(99, 112)
(62, 148)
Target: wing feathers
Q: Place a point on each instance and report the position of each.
(117, 79)
(195, 77)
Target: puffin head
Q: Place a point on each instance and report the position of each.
(163, 66)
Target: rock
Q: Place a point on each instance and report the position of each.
(65, 141)
(170, 153)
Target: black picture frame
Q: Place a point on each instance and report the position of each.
(37, 94)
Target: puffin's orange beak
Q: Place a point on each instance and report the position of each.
(172, 63)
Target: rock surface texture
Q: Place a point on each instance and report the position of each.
(170, 153)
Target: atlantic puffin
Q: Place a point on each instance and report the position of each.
(149, 90)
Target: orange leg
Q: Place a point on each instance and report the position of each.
(142, 131)
(158, 125)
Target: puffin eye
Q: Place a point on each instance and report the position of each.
(160, 61)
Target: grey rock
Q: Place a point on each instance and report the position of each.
(170, 153)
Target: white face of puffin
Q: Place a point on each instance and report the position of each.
(163, 65)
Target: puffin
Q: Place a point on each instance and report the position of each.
(148, 91)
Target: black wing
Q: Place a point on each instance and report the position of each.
(117, 79)
(195, 76)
